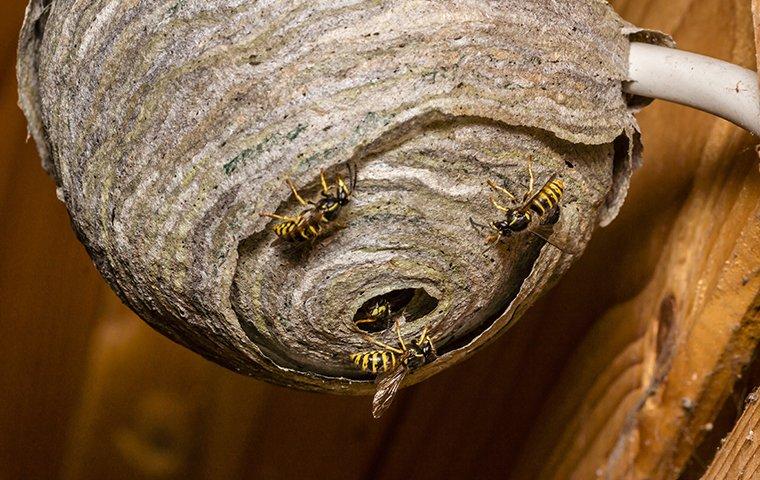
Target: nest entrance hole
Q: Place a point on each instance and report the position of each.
(413, 303)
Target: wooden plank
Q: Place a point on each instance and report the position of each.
(145, 406)
(756, 21)
(739, 457)
(49, 292)
(151, 409)
(310, 435)
(648, 379)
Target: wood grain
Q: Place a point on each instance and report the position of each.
(739, 457)
(756, 21)
(658, 363)
(49, 293)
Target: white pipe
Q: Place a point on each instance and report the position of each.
(712, 85)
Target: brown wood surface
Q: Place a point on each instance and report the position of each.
(618, 372)
(658, 363)
(50, 293)
(739, 457)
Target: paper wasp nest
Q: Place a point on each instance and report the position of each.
(168, 125)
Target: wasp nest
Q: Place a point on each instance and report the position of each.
(168, 125)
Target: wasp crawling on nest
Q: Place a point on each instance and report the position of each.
(310, 224)
(392, 364)
(532, 215)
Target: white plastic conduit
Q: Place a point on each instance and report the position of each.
(712, 85)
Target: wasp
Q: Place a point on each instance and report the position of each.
(531, 215)
(311, 222)
(376, 318)
(392, 364)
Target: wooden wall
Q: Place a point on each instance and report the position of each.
(620, 371)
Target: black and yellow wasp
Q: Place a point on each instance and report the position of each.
(536, 208)
(376, 318)
(311, 222)
(391, 365)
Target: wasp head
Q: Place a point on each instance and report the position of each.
(381, 309)
(516, 221)
(502, 228)
(422, 351)
(343, 192)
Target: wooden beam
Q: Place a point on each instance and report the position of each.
(739, 457)
(648, 379)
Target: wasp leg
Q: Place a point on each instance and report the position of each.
(279, 217)
(365, 320)
(422, 336)
(491, 241)
(295, 192)
(323, 180)
(398, 334)
(499, 206)
(500, 189)
(531, 179)
(432, 347)
(352, 172)
(373, 340)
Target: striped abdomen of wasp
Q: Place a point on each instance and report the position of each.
(535, 209)
(376, 361)
(377, 318)
(311, 222)
(392, 364)
(306, 226)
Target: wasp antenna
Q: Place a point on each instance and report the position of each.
(477, 226)
(353, 173)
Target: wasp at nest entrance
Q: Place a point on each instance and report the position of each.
(380, 312)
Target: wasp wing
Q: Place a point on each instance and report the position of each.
(387, 386)
(549, 234)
